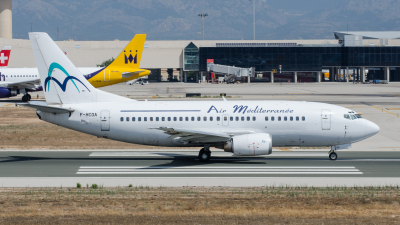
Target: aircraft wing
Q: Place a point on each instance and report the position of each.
(23, 84)
(129, 74)
(199, 136)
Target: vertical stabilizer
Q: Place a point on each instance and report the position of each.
(132, 54)
(61, 81)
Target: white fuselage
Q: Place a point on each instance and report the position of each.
(12, 75)
(289, 123)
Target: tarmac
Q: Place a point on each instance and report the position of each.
(374, 161)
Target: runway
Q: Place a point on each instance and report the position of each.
(182, 168)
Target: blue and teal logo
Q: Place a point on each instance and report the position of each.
(63, 85)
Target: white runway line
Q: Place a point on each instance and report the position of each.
(223, 154)
(215, 170)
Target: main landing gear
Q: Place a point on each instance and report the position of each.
(204, 154)
(26, 98)
(332, 155)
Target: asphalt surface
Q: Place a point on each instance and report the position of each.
(288, 167)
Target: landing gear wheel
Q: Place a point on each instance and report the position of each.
(29, 97)
(204, 155)
(332, 156)
(25, 98)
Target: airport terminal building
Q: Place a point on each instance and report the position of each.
(360, 56)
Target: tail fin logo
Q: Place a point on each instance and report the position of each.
(130, 58)
(5, 56)
(63, 85)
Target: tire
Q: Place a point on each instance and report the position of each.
(25, 98)
(204, 156)
(333, 156)
(29, 97)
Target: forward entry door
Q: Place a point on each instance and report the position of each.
(105, 120)
(326, 119)
(225, 120)
(106, 75)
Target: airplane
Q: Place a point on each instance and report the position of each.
(125, 67)
(245, 128)
(5, 56)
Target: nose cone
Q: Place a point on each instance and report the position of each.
(372, 128)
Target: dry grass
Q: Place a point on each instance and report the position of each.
(20, 128)
(144, 205)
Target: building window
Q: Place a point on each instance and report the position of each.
(191, 57)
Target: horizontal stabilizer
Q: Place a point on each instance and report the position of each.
(46, 108)
(129, 74)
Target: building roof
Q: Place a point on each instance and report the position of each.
(369, 34)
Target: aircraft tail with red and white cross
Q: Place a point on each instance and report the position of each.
(5, 56)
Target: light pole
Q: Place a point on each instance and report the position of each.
(202, 18)
(254, 19)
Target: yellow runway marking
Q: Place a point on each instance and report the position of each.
(393, 108)
(8, 104)
(383, 110)
(285, 149)
(357, 106)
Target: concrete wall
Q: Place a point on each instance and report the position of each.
(6, 19)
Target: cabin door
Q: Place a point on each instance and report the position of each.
(105, 120)
(326, 119)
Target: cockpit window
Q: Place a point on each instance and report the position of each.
(353, 117)
(346, 116)
(358, 116)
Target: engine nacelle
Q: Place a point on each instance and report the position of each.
(250, 145)
(5, 93)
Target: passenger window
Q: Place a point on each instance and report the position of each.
(187, 118)
(205, 118)
(297, 118)
(127, 119)
(231, 118)
(139, 119)
(180, 118)
(248, 118)
(218, 118)
(198, 118)
(151, 119)
(133, 119)
(303, 118)
(242, 118)
(254, 118)
(169, 118)
(122, 119)
(291, 118)
(211, 118)
(144, 119)
(192, 118)
(346, 116)
(163, 118)
(272, 118)
(279, 118)
(157, 119)
(175, 119)
(237, 118)
(285, 118)
(266, 118)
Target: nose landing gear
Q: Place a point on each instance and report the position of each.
(332, 155)
(204, 154)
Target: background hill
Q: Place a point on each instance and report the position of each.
(177, 19)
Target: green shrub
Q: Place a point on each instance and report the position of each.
(95, 186)
(78, 185)
(130, 185)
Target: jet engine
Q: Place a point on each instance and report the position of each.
(250, 145)
(5, 93)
